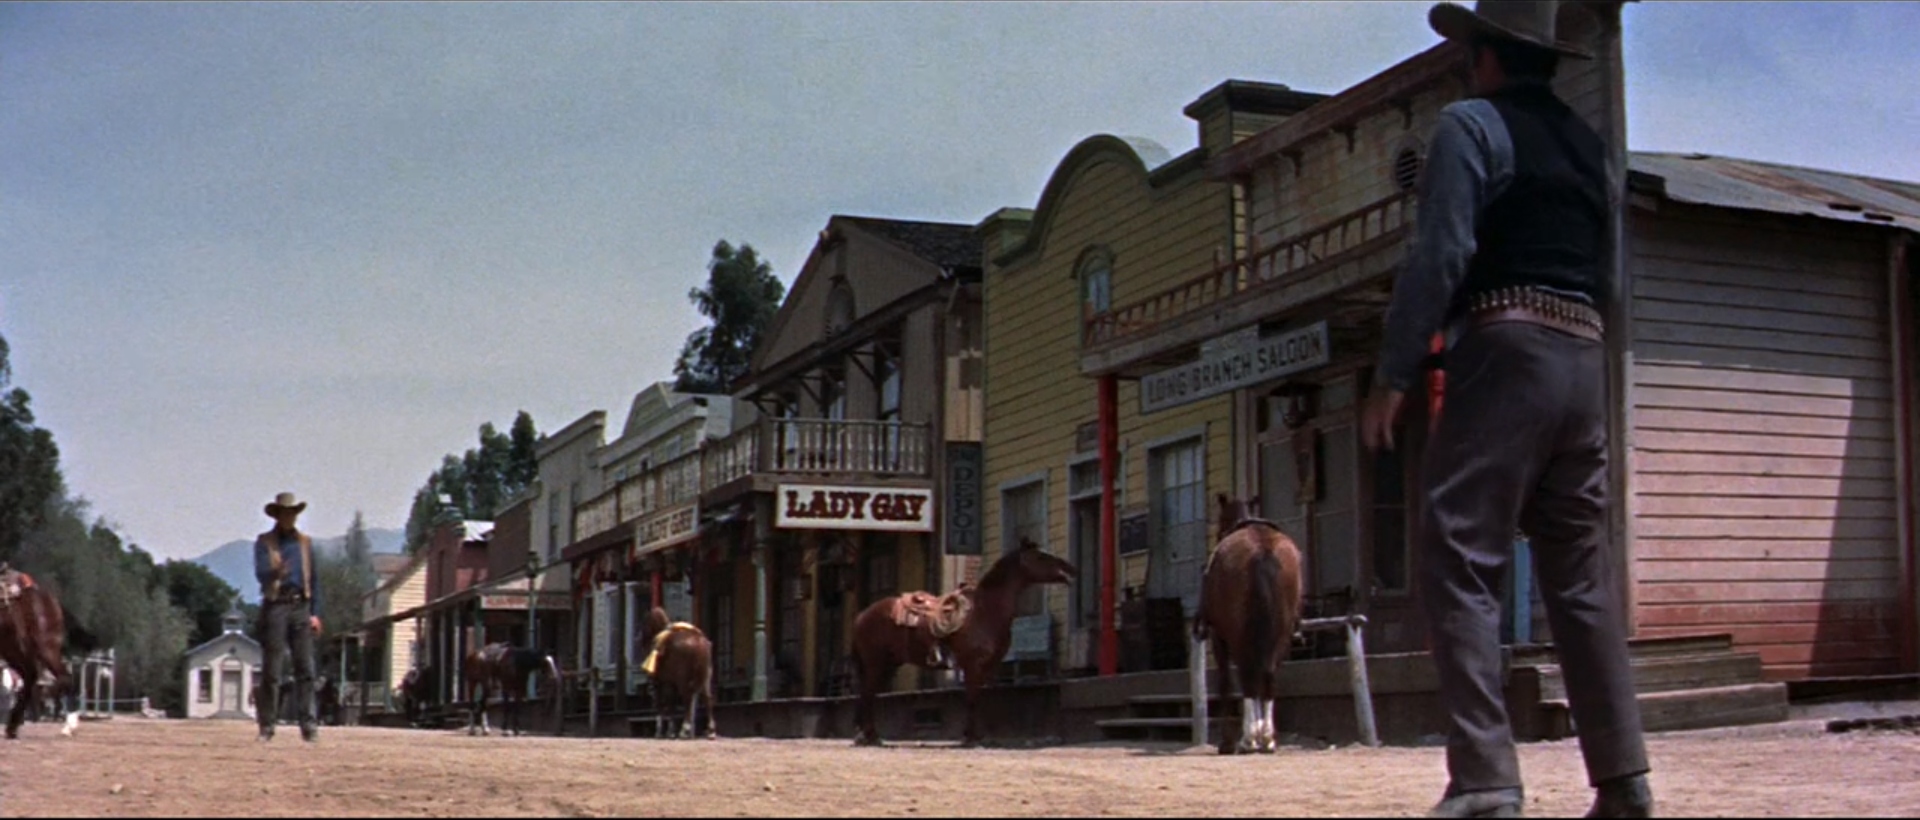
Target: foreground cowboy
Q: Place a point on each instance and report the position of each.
(1509, 255)
(289, 615)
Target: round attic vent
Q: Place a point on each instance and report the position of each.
(1406, 168)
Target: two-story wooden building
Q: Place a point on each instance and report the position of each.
(1759, 365)
(634, 542)
(1117, 217)
(866, 393)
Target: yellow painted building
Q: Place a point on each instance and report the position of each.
(1117, 220)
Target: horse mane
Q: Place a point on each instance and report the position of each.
(1002, 567)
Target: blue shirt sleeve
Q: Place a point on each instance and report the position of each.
(263, 562)
(1469, 162)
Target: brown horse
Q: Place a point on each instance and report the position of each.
(503, 668)
(682, 669)
(33, 630)
(1250, 606)
(887, 635)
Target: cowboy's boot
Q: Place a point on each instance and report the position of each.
(1508, 802)
(310, 732)
(1623, 797)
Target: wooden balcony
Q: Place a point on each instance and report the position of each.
(672, 483)
(775, 449)
(1339, 255)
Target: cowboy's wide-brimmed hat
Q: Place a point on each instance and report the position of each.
(1530, 22)
(285, 501)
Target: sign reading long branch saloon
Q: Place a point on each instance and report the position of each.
(811, 507)
(1243, 361)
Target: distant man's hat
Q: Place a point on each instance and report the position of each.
(1530, 22)
(285, 501)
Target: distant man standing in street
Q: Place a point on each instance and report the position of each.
(289, 615)
(1510, 255)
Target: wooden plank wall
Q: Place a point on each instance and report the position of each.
(1035, 396)
(1762, 449)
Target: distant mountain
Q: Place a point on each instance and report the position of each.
(233, 561)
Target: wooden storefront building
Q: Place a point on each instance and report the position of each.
(865, 392)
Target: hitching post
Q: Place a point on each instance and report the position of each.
(1197, 686)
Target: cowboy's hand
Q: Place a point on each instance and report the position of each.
(1377, 417)
(315, 621)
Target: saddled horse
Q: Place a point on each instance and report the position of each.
(33, 628)
(1249, 608)
(679, 667)
(503, 668)
(973, 627)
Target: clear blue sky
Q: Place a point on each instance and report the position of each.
(248, 248)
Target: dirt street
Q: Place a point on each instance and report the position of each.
(131, 767)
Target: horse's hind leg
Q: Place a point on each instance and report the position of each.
(1228, 742)
(693, 702)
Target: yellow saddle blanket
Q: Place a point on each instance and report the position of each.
(653, 653)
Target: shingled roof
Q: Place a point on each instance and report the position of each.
(947, 244)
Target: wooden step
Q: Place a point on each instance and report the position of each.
(1637, 648)
(1666, 674)
(1704, 708)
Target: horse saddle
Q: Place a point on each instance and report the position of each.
(943, 614)
(659, 640)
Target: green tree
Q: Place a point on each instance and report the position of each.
(523, 464)
(478, 483)
(202, 595)
(29, 465)
(739, 300)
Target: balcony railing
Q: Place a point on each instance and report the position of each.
(822, 447)
(794, 446)
(1370, 229)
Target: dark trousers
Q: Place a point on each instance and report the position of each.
(285, 625)
(1522, 444)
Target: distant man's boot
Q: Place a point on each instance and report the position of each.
(1483, 803)
(1623, 797)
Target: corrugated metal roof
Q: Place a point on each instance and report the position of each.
(1725, 182)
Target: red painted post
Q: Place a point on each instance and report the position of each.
(1109, 400)
(1436, 384)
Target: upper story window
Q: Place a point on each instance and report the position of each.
(886, 373)
(1096, 283)
(840, 310)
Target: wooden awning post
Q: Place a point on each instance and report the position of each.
(1109, 431)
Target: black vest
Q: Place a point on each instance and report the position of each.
(1548, 229)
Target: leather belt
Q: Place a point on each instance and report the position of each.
(1520, 314)
(1524, 304)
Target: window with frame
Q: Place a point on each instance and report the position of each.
(886, 373)
(1023, 513)
(204, 685)
(1096, 285)
(1083, 535)
(1177, 511)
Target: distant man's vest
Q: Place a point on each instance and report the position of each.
(1548, 229)
(271, 538)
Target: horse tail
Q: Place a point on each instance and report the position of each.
(1262, 637)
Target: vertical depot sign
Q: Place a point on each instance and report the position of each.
(1242, 361)
(810, 507)
(964, 503)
